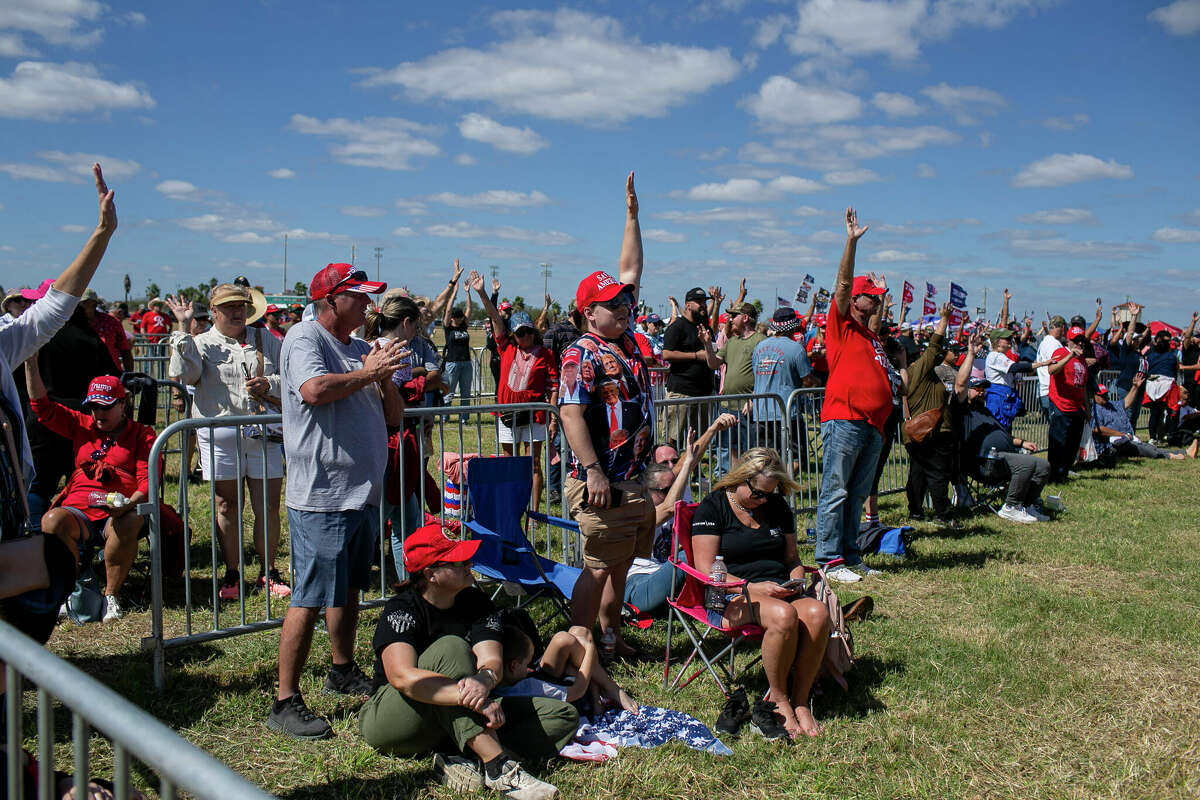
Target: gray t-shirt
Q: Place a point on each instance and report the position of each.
(336, 453)
(780, 364)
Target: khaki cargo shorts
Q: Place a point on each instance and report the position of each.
(612, 536)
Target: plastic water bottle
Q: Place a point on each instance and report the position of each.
(714, 597)
(992, 454)
(107, 500)
(608, 646)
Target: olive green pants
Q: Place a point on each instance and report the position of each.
(396, 724)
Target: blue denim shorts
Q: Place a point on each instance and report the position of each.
(332, 553)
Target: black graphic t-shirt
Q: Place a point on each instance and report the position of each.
(458, 344)
(409, 618)
(749, 553)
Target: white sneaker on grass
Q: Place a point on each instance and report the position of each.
(515, 783)
(112, 609)
(864, 570)
(843, 575)
(459, 773)
(1032, 511)
(1015, 514)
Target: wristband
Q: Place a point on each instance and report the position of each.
(587, 467)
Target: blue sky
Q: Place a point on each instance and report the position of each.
(1044, 146)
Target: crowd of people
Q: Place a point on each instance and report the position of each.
(452, 669)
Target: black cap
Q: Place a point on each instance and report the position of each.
(242, 280)
(698, 294)
(979, 383)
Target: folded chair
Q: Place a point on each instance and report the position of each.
(497, 493)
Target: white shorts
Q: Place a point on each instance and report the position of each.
(534, 432)
(219, 462)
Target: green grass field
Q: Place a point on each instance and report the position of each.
(1042, 661)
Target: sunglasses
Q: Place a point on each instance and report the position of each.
(357, 275)
(105, 446)
(758, 494)
(616, 304)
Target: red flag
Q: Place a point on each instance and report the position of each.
(908, 292)
(956, 316)
(930, 306)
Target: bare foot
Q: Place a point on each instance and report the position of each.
(807, 722)
(626, 702)
(790, 723)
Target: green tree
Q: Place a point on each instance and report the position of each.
(300, 289)
(758, 305)
(152, 290)
(519, 303)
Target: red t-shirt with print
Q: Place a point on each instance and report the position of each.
(525, 377)
(1067, 386)
(858, 386)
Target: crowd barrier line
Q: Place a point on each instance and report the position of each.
(133, 732)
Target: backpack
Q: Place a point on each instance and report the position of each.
(839, 652)
(883, 539)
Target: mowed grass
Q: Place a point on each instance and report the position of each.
(1058, 660)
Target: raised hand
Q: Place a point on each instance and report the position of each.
(181, 309)
(475, 281)
(879, 280)
(674, 302)
(458, 271)
(631, 201)
(944, 312)
(1007, 294)
(548, 301)
(495, 284)
(108, 207)
(852, 229)
(703, 334)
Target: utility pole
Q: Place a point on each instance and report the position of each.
(378, 258)
(545, 277)
(495, 271)
(285, 286)
(352, 255)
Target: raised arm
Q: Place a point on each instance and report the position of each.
(1190, 333)
(629, 264)
(543, 320)
(674, 310)
(1004, 309)
(845, 274)
(443, 297)
(475, 281)
(963, 376)
(450, 305)
(76, 277)
(716, 295)
(33, 378)
(1096, 322)
(1135, 311)
(741, 297)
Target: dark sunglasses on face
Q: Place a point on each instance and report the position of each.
(616, 304)
(758, 494)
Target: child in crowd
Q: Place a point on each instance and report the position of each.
(569, 669)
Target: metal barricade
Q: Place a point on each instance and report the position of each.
(1033, 425)
(658, 382)
(150, 354)
(484, 386)
(134, 733)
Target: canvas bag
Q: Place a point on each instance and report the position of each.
(839, 652)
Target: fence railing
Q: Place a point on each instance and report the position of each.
(134, 733)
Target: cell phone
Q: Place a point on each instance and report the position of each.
(795, 584)
(616, 497)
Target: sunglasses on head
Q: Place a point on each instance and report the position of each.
(758, 494)
(357, 275)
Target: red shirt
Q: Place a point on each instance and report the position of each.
(112, 333)
(525, 377)
(123, 467)
(1067, 385)
(155, 323)
(858, 386)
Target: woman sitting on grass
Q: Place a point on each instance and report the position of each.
(748, 522)
(438, 656)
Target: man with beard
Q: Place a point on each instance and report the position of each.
(688, 350)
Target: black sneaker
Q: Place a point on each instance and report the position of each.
(352, 681)
(735, 713)
(292, 717)
(766, 721)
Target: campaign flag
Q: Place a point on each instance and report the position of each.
(907, 297)
(822, 295)
(930, 289)
(782, 302)
(802, 295)
(956, 316)
(821, 307)
(958, 296)
(809, 280)
(930, 307)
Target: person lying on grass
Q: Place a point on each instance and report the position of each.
(568, 669)
(438, 657)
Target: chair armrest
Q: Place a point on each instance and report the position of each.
(558, 522)
(700, 576)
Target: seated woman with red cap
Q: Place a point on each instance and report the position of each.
(438, 655)
(111, 456)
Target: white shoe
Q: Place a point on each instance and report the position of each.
(1033, 512)
(514, 782)
(865, 571)
(112, 609)
(1015, 514)
(843, 575)
(1054, 503)
(460, 774)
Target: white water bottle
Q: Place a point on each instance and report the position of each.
(714, 596)
(608, 646)
(114, 500)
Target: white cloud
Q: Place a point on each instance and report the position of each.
(781, 102)
(71, 167)
(807, 211)
(891, 256)
(59, 22)
(175, 188)
(33, 172)
(750, 190)
(239, 226)
(723, 214)
(1059, 216)
(45, 91)
(494, 199)
(247, 237)
(1181, 18)
(1050, 245)
(851, 177)
(712, 155)
(383, 142)
(566, 65)
(926, 171)
(411, 207)
(404, 232)
(363, 211)
(13, 46)
(896, 105)
(665, 236)
(479, 128)
(464, 160)
(465, 230)
(283, 173)
(793, 185)
(73, 228)
(1067, 123)
(1176, 236)
(1061, 169)
(964, 103)
(769, 30)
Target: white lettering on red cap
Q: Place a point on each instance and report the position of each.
(604, 280)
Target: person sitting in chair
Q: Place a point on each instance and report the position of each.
(748, 522)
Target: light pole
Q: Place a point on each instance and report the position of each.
(545, 277)
(495, 271)
(378, 258)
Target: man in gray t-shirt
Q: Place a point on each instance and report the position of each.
(338, 398)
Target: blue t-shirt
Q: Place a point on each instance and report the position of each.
(1128, 360)
(779, 364)
(1109, 416)
(1162, 363)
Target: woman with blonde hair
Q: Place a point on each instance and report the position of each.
(747, 521)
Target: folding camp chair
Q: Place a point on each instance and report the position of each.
(497, 491)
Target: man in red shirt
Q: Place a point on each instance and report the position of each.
(154, 323)
(1068, 410)
(110, 331)
(858, 401)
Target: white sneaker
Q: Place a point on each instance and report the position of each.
(460, 774)
(514, 782)
(865, 571)
(1015, 514)
(112, 609)
(843, 575)
(1033, 512)
(1054, 503)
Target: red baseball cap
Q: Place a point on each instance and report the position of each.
(337, 278)
(864, 285)
(598, 287)
(104, 391)
(1076, 333)
(272, 309)
(428, 545)
(504, 306)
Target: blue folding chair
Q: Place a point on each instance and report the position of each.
(497, 491)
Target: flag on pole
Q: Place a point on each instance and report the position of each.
(958, 296)
(907, 297)
(782, 302)
(956, 316)
(809, 280)
(929, 307)
(930, 289)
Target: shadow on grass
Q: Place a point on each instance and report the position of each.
(971, 560)
(868, 675)
(411, 784)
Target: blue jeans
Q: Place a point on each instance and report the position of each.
(851, 451)
(405, 519)
(458, 380)
(649, 592)
(554, 471)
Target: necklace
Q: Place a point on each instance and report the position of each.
(732, 497)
